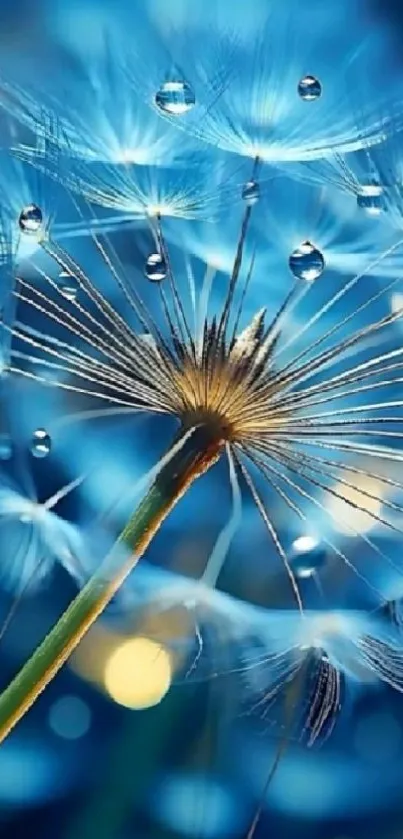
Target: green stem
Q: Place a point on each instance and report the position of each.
(193, 453)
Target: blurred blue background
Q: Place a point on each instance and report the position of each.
(117, 747)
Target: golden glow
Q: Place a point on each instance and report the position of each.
(138, 673)
(349, 519)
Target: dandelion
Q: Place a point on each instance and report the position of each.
(300, 398)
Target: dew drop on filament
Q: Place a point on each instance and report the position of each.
(309, 88)
(251, 193)
(31, 219)
(175, 98)
(155, 268)
(68, 286)
(370, 199)
(306, 262)
(41, 443)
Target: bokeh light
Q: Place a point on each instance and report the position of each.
(138, 673)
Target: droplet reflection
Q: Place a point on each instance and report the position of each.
(306, 262)
(175, 97)
(41, 443)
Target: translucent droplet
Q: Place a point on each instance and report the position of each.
(31, 219)
(68, 286)
(175, 97)
(306, 262)
(307, 556)
(251, 193)
(309, 88)
(41, 443)
(6, 447)
(156, 269)
(370, 199)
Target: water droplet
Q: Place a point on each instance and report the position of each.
(370, 199)
(156, 269)
(68, 286)
(309, 88)
(306, 262)
(251, 193)
(41, 443)
(31, 219)
(6, 447)
(175, 97)
(307, 556)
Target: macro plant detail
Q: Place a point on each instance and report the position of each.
(202, 334)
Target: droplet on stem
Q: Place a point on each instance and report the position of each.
(155, 268)
(251, 193)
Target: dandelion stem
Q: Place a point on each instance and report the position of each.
(192, 454)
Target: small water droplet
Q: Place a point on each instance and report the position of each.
(175, 97)
(307, 556)
(68, 286)
(6, 447)
(306, 262)
(251, 193)
(309, 88)
(370, 199)
(156, 269)
(31, 219)
(41, 443)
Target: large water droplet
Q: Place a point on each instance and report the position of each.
(41, 443)
(31, 219)
(155, 268)
(306, 262)
(309, 88)
(370, 199)
(251, 193)
(175, 97)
